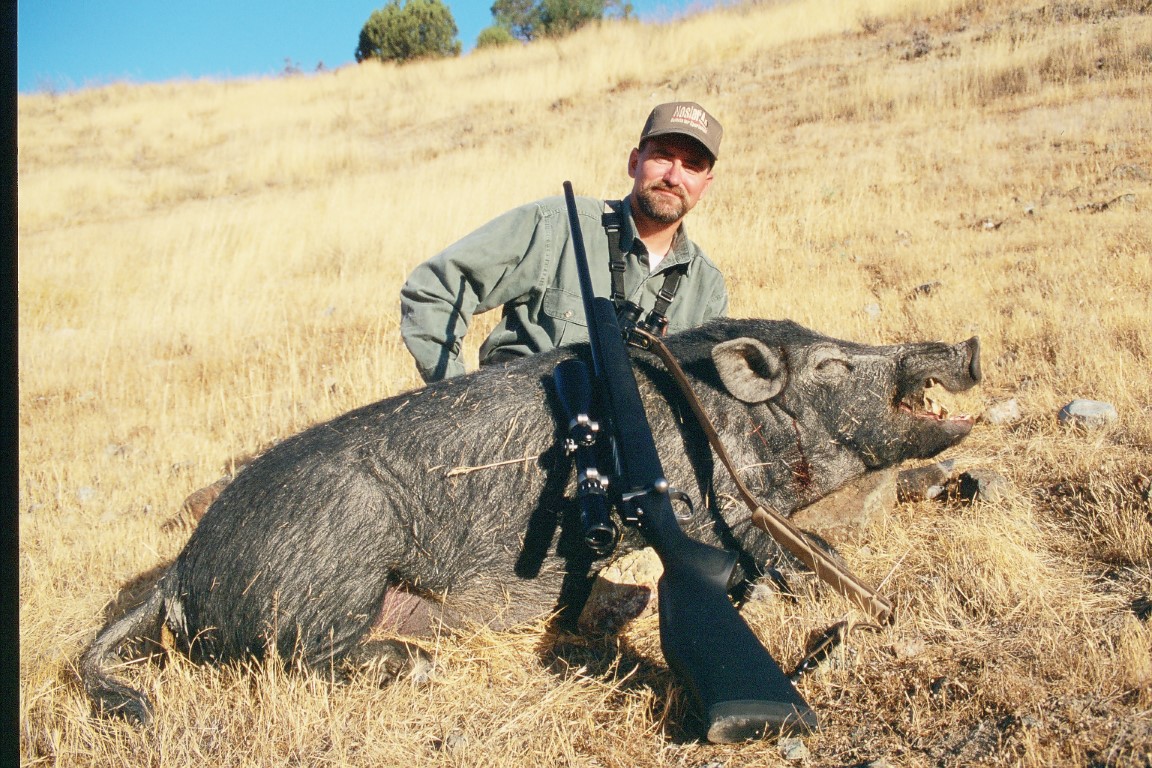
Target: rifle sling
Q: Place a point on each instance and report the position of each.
(767, 519)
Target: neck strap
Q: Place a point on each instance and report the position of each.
(611, 221)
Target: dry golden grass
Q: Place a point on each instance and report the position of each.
(206, 267)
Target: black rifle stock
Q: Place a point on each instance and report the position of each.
(741, 691)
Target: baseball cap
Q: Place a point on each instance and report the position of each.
(687, 118)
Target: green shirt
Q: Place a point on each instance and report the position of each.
(524, 261)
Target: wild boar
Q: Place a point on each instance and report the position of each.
(455, 503)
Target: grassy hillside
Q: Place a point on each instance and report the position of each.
(207, 267)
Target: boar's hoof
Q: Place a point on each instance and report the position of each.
(388, 661)
(197, 503)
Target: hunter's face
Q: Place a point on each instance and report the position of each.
(671, 174)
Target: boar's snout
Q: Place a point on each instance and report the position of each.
(966, 368)
(955, 367)
(973, 346)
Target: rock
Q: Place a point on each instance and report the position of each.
(793, 750)
(761, 593)
(922, 483)
(1003, 412)
(455, 741)
(623, 591)
(1130, 172)
(1087, 414)
(983, 485)
(909, 647)
(843, 516)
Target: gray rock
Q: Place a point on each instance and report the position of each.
(761, 593)
(909, 647)
(793, 750)
(624, 590)
(1003, 412)
(1087, 414)
(455, 741)
(1130, 172)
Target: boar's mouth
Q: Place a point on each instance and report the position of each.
(922, 403)
(933, 374)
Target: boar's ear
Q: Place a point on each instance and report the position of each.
(750, 370)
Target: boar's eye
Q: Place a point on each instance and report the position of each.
(829, 360)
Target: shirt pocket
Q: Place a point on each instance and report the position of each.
(563, 316)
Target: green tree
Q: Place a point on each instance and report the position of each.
(412, 29)
(531, 19)
(494, 36)
(520, 17)
(563, 17)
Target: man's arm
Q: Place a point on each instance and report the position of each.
(482, 271)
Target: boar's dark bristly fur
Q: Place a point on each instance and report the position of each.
(453, 502)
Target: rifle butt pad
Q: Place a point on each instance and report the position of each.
(730, 722)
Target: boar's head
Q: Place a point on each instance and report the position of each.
(871, 400)
(837, 408)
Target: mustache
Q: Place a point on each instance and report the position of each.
(660, 185)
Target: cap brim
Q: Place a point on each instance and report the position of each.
(673, 132)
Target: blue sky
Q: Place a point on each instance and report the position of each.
(67, 44)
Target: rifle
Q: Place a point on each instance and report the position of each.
(740, 689)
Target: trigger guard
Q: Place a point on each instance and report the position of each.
(676, 495)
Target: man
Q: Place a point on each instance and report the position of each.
(523, 260)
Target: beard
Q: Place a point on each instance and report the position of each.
(660, 207)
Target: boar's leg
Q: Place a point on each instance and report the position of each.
(495, 600)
